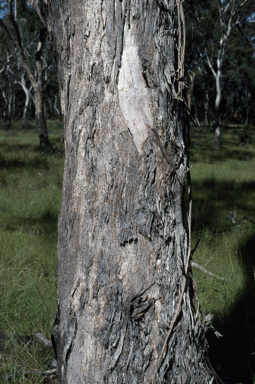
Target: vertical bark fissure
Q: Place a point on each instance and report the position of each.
(122, 248)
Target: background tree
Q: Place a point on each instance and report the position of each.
(125, 310)
(240, 73)
(212, 26)
(16, 37)
(8, 76)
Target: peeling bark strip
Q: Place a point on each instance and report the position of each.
(133, 94)
(122, 248)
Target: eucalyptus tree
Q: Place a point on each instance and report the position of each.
(8, 77)
(247, 31)
(15, 29)
(51, 90)
(125, 291)
(215, 21)
(27, 90)
(239, 77)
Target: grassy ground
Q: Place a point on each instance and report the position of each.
(223, 192)
(30, 194)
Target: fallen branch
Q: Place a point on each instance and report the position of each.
(36, 373)
(42, 339)
(197, 266)
(247, 218)
(227, 228)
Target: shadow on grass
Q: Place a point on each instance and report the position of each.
(214, 201)
(38, 160)
(43, 225)
(218, 206)
(233, 355)
(210, 155)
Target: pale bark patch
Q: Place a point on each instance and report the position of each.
(133, 94)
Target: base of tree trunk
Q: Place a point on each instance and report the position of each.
(44, 142)
(217, 137)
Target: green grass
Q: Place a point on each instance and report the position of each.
(30, 194)
(30, 197)
(223, 184)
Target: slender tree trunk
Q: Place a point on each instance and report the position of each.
(55, 105)
(248, 107)
(24, 115)
(4, 106)
(217, 110)
(13, 106)
(39, 95)
(122, 248)
(40, 119)
(27, 93)
(45, 110)
(247, 115)
(37, 85)
(206, 108)
(191, 86)
(9, 111)
(50, 107)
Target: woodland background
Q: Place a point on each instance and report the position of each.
(220, 68)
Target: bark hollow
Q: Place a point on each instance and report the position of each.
(122, 245)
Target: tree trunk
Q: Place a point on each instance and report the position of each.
(122, 248)
(206, 108)
(37, 85)
(248, 107)
(27, 93)
(24, 115)
(13, 105)
(217, 110)
(8, 108)
(50, 107)
(40, 119)
(191, 86)
(39, 95)
(55, 105)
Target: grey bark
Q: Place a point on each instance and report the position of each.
(8, 107)
(191, 86)
(50, 107)
(206, 109)
(13, 105)
(28, 95)
(228, 19)
(248, 107)
(39, 94)
(122, 247)
(217, 109)
(55, 105)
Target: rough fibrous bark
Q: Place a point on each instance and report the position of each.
(122, 246)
